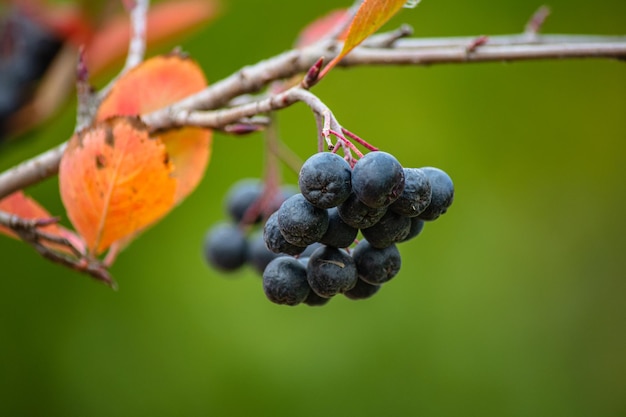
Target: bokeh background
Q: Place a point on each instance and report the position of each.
(512, 304)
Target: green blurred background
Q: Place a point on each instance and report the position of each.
(512, 304)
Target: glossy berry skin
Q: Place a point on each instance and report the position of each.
(241, 196)
(362, 290)
(356, 214)
(442, 193)
(416, 194)
(325, 180)
(331, 271)
(378, 179)
(300, 222)
(376, 266)
(284, 281)
(259, 256)
(390, 229)
(339, 234)
(275, 241)
(225, 247)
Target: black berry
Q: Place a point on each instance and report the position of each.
(417, 225)
(324, 180)
(416, 194)
(376, 266)
(331, 271)
(442, 193)
(391, 228)
(378, 179)
(225, 247)
(240, 198)
(339, 234)
(300, 222)
(315, 300)
(358, 215)
(284, 281)
(361, 290)
(274, 239)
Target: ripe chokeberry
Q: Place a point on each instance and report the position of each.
(285, 281)
(331, 271)
(416, 194)
(362, 290)
(390, 229)
(225, 247)
(315, 300)
(356, 214)
(300, 222)
(240, 198)
(274, 239)
(376, 266)
(442, 193)
(417, 225)
(339, 234)
(378, 179)
(324, 180)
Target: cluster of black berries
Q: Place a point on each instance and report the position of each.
(304, 250)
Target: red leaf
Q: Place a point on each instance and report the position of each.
(372, 14)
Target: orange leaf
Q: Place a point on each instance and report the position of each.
(154, 84)
(372, 14)
(27, 208)
(115, 180)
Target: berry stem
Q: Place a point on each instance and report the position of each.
(347, 142)
(358, 139)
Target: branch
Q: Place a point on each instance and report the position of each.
(403, 51)
(487, 52)
(29, 230)
(31, 171)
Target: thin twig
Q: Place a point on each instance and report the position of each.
(486, 53)
(138, 25)
(138, 12)
(536, 21)
(504, 40)
(29, 230)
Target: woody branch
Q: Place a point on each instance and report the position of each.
(383, 49)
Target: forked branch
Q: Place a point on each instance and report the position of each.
(228, 105)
